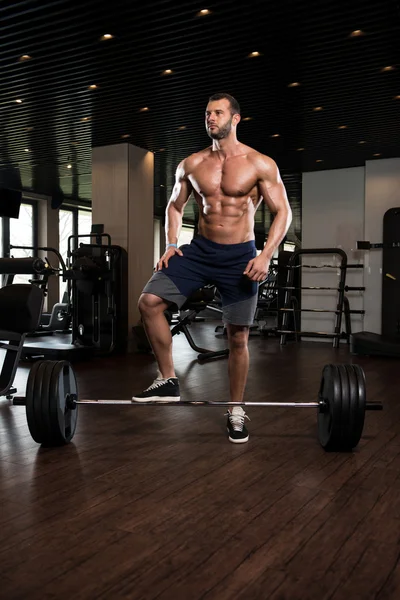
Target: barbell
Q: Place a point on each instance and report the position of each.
(52, 404)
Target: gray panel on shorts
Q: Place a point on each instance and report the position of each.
(240, 313)
(161, 285)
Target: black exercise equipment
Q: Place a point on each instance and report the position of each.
(291, 302)
(369, 246)
(50, 384)
(21, 306)
(20, 309)
(96, 306)
(98, 280)
(59, 318)
(373, 344)
(388, 343)
(198, 302)
(52, 401)
(22, 266)
(180, 321)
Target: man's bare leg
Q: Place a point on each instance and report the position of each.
(238, 366)
(158, 331)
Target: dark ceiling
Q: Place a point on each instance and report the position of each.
(51, 52)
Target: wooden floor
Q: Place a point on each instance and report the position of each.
(152, 503)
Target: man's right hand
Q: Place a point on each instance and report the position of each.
(163, 262)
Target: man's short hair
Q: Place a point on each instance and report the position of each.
(235, 107)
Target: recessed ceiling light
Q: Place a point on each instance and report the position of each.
(106, 36)
(300, 149)
(356, 33)
(182, 127)
(397, 97)
(294, 84)
(93, 86)
(27, 150)
(342, 127)
(125, 136)
(203, 12)
(18, 101)
(254, 54)
(319, 160)
(362, 142)
(167, 72)
(69, 166)
(387, 69)
(25, 57)
(248, 119)
(84, 119)
(144, 109)
(275, 135)
(318, 108)
(377, 154)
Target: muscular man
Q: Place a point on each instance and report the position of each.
(228, 180)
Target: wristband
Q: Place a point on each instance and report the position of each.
(173, 245)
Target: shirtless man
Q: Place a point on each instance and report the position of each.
(222, 178)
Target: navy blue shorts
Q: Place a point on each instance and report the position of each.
(205, 262)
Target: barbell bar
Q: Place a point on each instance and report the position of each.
(321, 404)
(52, 403)
(348, 266)
(322, 310)
(346, 288)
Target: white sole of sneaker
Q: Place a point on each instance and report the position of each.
(157, 399)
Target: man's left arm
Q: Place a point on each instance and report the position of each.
(273, 192)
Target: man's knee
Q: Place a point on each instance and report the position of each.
(238, 336)
(149, 304)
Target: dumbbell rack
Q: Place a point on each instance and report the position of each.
(342, 304)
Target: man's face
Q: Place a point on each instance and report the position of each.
(219, 119)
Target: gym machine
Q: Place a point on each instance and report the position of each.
(388, 343)
(97, 306)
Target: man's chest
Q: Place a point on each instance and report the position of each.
(228, 178)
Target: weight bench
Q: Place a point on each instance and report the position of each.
(194, 305)
(180, 322)
(20, 310)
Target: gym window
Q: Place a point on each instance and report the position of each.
(72, 221)
(20, 232)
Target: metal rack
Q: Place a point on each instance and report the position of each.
(342, 303)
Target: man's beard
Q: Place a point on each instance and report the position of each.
(222, 132)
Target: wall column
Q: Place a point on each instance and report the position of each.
(123, 200)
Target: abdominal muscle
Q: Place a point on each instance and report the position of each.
(226, 220)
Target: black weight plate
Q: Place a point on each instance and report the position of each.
(34, 383)
(37, 402)
(362, 401)
(353, 428)
(345, 415)
(63, 419)
(329, 419)
(45, 411)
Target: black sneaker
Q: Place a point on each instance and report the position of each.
(161, 390)
(237, 430)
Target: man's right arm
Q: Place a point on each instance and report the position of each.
(176, 205)
(174, 214)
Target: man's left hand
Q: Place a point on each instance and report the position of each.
(257, 268)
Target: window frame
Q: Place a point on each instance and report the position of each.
(35, 227)
(75, 215)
